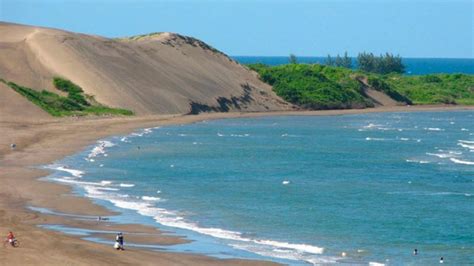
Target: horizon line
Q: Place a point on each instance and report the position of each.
(319, 56)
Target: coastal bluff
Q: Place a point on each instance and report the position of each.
(158, 73)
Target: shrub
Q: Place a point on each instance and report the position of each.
(74, 104)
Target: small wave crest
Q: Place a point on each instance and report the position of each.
(374, 139)
(143, 132)
(467, 144)
(73, 172)
(149, 198)
(433, 129)
(441, 155)
(458, 161)
(417, 161)
(99, 149)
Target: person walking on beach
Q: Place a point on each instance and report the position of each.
(119, 241)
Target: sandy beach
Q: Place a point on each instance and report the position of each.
(40, 142)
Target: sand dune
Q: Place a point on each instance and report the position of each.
(163, 73)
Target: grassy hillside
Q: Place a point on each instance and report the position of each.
(326, 87)
(314, 86)
(75, 103)
(435, 89)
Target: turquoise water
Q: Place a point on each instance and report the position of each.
(297, 189)
(414, 66)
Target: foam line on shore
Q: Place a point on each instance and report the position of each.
(146, 206)
(63, 168)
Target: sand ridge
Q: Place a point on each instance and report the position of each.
(161, 74)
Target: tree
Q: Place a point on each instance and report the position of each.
(338, 61)
(329, 61)
(366, 62)
(346, 61)
(293, 59)
(382, 64)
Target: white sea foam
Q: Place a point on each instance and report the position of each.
(434, 129)
(126, 185)
(74, 172)
(375, 139)
(77, 182)
(99, 149)
(427, 193)
(239, 135)
(285, 182)
(441, 155)
(371, 125)
(145, 205)
(404, 139)
(148, 198)
(467, 146)
(372, 263)
(289, 135)
(105, 182)
(417, 161)
(457, 161)
(219, 134)
(284, 253)
(464, 129)
(142, 132)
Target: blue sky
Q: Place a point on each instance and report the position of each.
(417, 28)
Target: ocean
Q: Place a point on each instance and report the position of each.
(414, 66)
(356, 189)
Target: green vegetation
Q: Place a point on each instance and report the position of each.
(74, 104)
(435, 88)
(292, 59)
(137, 37)
(74, 91)
(368, 62)
(325, 87)
(344, 61)
(314, 86)
(383, 64)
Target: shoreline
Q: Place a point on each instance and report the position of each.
(43, 142)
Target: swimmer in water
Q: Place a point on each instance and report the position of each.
(415, 252)
(441, 260)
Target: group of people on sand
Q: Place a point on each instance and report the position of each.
(415, 252)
